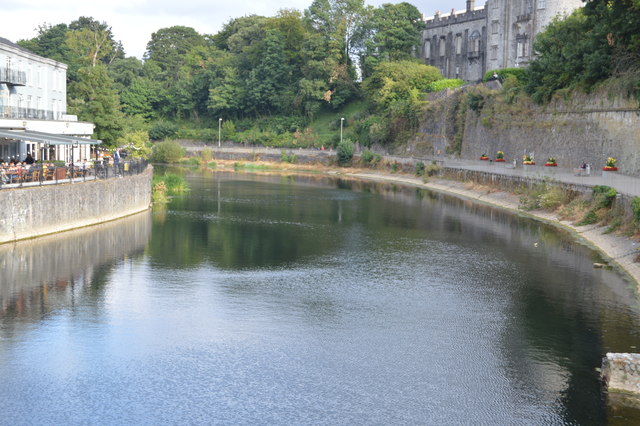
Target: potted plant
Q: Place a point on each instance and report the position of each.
(484, 157)
(527, 160)
(551, 162)
(500, 157)
(610, 166)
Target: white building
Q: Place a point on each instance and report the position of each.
(33, 105)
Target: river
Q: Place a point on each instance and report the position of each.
(259, 298)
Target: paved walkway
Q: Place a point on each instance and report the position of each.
(627, 185)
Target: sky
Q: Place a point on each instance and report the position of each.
(133, 21)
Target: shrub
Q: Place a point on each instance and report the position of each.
(503, 73)
(162, 130)
(167, 152)
(445, 83)
(192, 161)
(344, 152)
(432, 169)
(603, 196)
(370, 158)
(206, 155)
(475, 101)
(635, 207)
(420, 168)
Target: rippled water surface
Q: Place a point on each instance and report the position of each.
(307, 300)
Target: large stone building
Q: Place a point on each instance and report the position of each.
(500, 34)
(33, 104)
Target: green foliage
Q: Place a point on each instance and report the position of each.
(589, 219)
(92, 98)
(543, 196)
(420, 168)
(635, 207)
(164, 186)
(604, 196)
(594, 43)
(136, 143)
(288, 158)
(162, 130)
(167, 152)
(504, 73)
(475, 101)
(206, 155)
(396, 33)
(370, 159)
(402, 81)
(344, 152)
(432, 169)
(445, 83)
(191, 161)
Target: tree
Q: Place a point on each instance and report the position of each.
(392, 33)
(92, 98)
(168, 46)
(50, 42)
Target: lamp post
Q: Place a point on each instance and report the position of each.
(219, 127)
(341, 121)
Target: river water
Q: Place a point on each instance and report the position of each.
(270, 299)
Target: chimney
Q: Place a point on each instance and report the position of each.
(471, 5)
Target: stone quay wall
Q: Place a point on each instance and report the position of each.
(621, 372)
(587, 128)
(35, 211)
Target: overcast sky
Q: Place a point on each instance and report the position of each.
(133, 21)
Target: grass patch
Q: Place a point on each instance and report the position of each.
(167, 185)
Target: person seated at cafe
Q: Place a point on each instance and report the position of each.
(29, 159)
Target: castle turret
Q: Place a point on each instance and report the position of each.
(471, 4)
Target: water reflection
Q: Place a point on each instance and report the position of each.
(314, 300)
(47, 273)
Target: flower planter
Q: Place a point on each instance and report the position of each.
(610, 169)
(500, 160)
(484, 158)
(551, 164)
(529, 163)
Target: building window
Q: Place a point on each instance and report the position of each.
(443, 42)
(494, 52)
(495, 25)
(427, 49)
(474, 45)
(458, 44)
(542, 4)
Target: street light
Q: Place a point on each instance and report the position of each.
(341, 121)
(219, 127)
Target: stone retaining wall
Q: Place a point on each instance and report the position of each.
(35, 211)
(588, 128)
(621, 372)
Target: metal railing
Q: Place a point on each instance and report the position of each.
(13, 77)
(23, 113)
(43, 174)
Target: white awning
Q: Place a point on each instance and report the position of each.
(47, 138)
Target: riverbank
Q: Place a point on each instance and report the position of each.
(621, 252)
(36, 211)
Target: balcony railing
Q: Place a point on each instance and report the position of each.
(29, 113)
(13, 77)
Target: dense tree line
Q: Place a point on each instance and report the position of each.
(596, 43)
(270, 77)
(288, 67)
